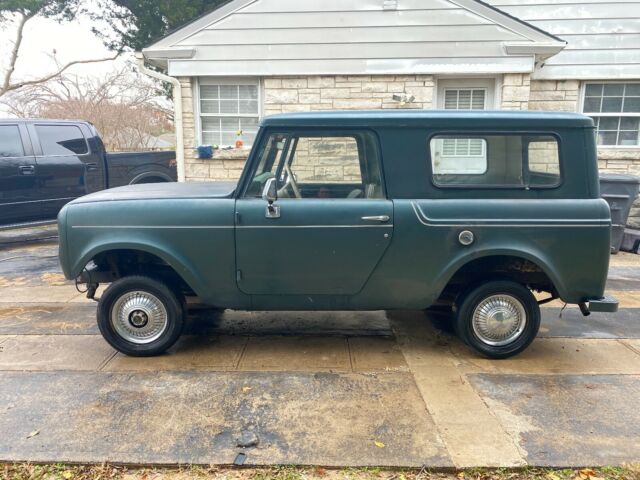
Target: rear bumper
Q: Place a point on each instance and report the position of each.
(605, 304)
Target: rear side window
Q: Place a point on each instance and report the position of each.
(10, 142)
(61, 140)
(495, 160)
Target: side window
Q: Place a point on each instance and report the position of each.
(495, 160)
(345, 166)
(61, 140)
(10, 142)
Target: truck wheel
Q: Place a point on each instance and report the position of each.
(498, 319)
(140, 316)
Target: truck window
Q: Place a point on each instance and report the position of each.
(10, 141)
(334, 166)
(495, 161)
(320, 165)
(61, 140)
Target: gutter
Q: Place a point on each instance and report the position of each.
(177, 105)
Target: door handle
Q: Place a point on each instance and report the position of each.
(27, 170)
(91, 167)
(377, 218)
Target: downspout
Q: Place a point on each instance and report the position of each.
(177, 105)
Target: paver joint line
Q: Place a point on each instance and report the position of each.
(489, 445)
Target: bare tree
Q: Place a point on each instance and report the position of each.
(19, 13)
(127, 109)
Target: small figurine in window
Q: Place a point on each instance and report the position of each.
(239, 142)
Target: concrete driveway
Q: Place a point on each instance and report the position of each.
(334, 389)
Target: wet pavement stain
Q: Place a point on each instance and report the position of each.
(571, 419)
(331, 419)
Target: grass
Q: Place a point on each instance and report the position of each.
(26, 471)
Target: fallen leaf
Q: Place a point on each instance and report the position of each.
(552, 476)
(68, 474)
(33, 434)
(321, 472)
(379, 444)
(246, 389)
(587, 473)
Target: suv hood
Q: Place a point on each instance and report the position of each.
(151, 191)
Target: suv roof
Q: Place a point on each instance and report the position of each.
(495, 119)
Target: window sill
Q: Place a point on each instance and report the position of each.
(229, 154)
(619, 152)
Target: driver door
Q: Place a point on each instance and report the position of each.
(333, 221)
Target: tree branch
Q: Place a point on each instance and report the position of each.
(13, 59)
(15, 86)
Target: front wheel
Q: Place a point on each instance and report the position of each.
(498, 319)
(140, 316)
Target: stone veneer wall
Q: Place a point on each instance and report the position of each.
(564, 96)
(515, 91)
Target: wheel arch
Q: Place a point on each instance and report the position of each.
(467, 261)
(178, 264)
(147, 177)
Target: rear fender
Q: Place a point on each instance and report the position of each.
(537, 258)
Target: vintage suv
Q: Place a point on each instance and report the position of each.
(360, 211)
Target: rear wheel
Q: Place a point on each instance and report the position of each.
(498, 319)
(140, 316)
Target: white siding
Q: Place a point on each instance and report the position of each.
(603, 37)
(293, 37)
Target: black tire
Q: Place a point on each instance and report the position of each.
(168, 331)
(522, 336)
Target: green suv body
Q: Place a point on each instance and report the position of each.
(471, 211)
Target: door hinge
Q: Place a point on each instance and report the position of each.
(238, 275)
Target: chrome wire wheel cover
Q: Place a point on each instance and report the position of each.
(139, 317)
(499, 320)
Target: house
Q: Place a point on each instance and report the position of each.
(252, 58)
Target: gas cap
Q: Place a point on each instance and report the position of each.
(466, 238)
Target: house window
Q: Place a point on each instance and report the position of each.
(468, 154)
(227, 108)
(615, 109)
(464, 99)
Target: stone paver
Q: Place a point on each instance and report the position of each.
(561, 356)
(190, 353)
(296, 353)
(49, 352)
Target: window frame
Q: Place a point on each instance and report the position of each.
(291, 133)
(485, 133)
(197, 106)
(583, 91)
(41, 147)
(490, 84)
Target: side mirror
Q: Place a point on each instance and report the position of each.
(270, 190)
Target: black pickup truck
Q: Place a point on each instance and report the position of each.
(45, 164)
